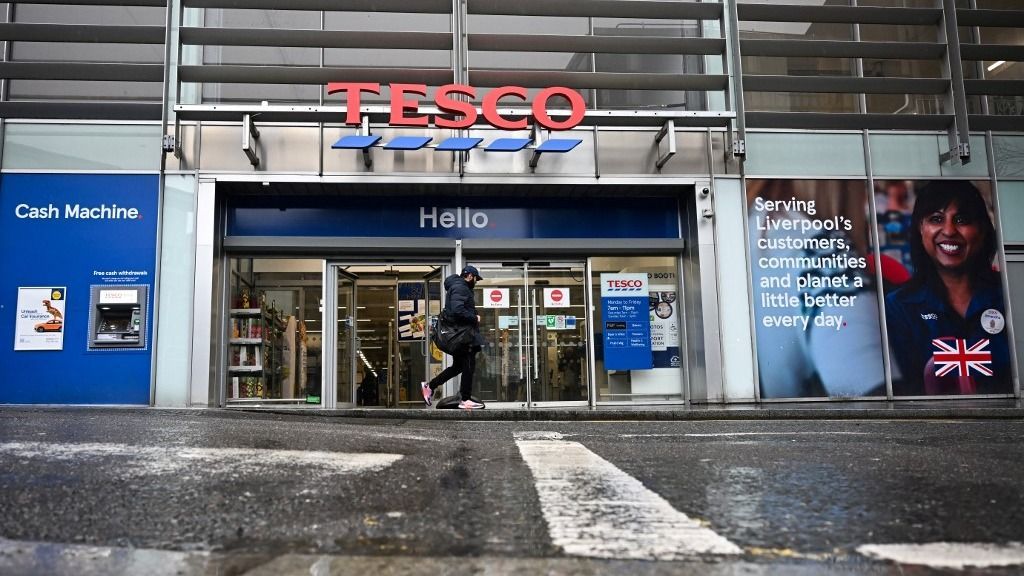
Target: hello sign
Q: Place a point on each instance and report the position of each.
(457, 113)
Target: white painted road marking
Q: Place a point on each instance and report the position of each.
(76, 560)
(537, 435)
(948, 554)
(147, 460)
(594, 509)
(728, 434)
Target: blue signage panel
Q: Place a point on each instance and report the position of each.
(447, 217)
(75, 232)
(627, 324)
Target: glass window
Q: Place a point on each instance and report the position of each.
(261, 56)
(664, 380)
(998, 4)
(91, 16)
(977, 167)
(81, 147)
(1015, 272)
(177, 260)
(998, 69)
(904, 155)
(737, 357)
(274, 330)
(1009, 156)
(772, 153)
(87, 52)
(1011, 209)
(798, 65)
(399, 58)
(386, 58)
(600, 62)
(799, 102)
(911, 103)
(1004, 70)
(901, 3)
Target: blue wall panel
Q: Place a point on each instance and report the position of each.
(69, 250)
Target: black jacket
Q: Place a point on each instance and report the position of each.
(460, 306)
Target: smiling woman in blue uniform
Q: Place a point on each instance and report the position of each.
(947, 323)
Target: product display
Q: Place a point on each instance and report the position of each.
(255, 359)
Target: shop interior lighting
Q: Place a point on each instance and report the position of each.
(367, 364)
(996, 64)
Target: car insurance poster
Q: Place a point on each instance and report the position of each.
(40, 321)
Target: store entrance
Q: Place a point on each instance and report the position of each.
(380, 347)
(534, 321)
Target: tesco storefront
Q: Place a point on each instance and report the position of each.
(317, 290)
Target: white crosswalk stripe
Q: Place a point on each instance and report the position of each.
(150, 460)
(956, 555)
(596, 510)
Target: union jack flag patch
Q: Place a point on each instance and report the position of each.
(961, 358)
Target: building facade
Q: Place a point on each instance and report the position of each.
(256, 202)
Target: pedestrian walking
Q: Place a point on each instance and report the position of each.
(461, 309)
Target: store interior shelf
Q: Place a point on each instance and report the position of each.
(246, 369)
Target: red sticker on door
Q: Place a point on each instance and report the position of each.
(496, 298)
(556, 297)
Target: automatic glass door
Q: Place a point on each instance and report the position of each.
(380, 348)
(339, 345)
(534, 321)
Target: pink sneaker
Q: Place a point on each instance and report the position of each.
(427, 392)
(470, 405)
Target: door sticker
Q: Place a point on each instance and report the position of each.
(495, 297)
(556, 297)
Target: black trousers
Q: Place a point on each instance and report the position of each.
(465, 364)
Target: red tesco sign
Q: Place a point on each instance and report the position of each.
(465, 114)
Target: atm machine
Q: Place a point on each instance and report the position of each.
(118, 317)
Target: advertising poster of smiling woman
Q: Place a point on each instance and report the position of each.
(944, 304)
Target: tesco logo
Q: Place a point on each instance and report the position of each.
(619, 284)
(454, 101)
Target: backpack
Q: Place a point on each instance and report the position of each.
(449, 337)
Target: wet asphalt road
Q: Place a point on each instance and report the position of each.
(792, 495)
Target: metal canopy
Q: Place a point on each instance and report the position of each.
(381, 115)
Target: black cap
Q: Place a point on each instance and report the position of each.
(472, 270)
